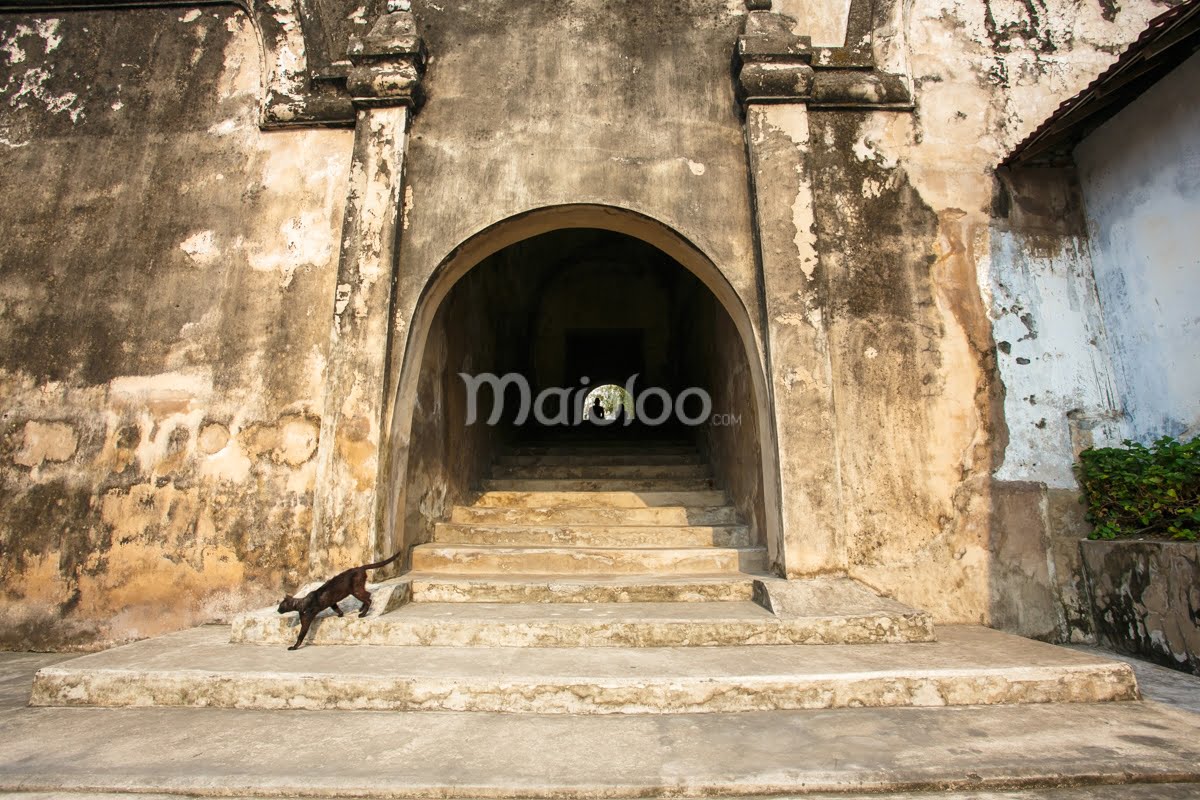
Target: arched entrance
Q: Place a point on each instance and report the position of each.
(568, 298)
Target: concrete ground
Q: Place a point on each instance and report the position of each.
(1064, 752)
(1154, 792)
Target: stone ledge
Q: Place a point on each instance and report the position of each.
(199, 668)
(443, 588)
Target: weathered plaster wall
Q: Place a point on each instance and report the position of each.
(165, 283)
(1140, 176)
(166, 279)
(447, 459)
(627, 104)
(823, 21)
(718, 363)
(1059, 399)
(936, 512)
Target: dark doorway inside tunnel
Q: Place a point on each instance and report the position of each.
(604, 355)
(551, 318)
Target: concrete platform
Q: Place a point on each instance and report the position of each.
(599, 625)
(1115, 751)
(1155, 791)
(967, 666)
(469, 755)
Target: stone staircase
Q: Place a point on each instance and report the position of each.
(597, 623)
(593, 579)
(599, 523)
(601, 545)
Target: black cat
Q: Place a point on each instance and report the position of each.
(351, 582)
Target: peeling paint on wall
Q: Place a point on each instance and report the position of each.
(160, 396)
(1140, 178)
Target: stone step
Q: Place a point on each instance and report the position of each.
(602, 471)
(443, 588)
(600, 459)
(607, 499)
(595, 515)
(598, 484)
(967, 666)
(599, 625)
(613, 449)
(564, 535)
(496, 559)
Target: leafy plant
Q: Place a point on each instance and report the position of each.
(1143, 491)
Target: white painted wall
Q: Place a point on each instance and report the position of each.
(1052, 358)
(1140, 175)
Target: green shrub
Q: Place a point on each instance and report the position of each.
(1143, 491)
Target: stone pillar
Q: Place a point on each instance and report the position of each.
(385, 85)
(777, 83)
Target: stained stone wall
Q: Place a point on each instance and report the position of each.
(1147, 599)
(168, 270)
(166, 273)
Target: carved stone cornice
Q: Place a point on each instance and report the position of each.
(387, 63)
(774, 65)
(306, 72)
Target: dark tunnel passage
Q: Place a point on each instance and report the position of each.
(566, 312)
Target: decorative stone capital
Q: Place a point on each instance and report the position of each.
(388, 63)
(775, 82)
(774, 65)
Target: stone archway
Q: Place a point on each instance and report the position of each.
(408, 357)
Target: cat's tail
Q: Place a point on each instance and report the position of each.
(385, 562)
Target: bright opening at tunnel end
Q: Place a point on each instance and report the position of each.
(584, 404)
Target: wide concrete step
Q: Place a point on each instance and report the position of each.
(602, 471)
(1075, 751)
(597, 625)
(967, 666)
(595, 515)
(598, 484)
(598, 499)
(576, 588)
(563, 535)
(600, 459)
(498, 559)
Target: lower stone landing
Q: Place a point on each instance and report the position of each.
(599, 707)
(966, 666)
